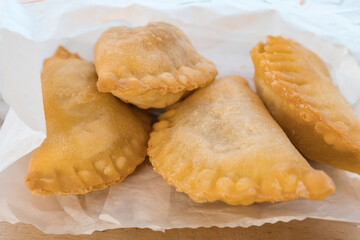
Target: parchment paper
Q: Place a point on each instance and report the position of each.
(221, 31)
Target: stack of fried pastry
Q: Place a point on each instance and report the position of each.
(216, 140)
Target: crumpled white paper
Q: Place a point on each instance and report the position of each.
(221, 31)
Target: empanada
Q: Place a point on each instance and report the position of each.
(151, 66)
(93, 139)
(296, 87)
(221, 143)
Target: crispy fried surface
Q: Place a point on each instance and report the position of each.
(221, 143)
(93, 139)
(297, 88)
(150, 66)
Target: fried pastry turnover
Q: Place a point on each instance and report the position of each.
(151, 66)
(221, 143)
(297, 88)
(93, 139)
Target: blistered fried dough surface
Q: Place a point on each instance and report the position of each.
(93, 139)
(221, 143)
(297, 88)
(150, 66)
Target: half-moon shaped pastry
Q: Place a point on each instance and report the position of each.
(296, 87)
(151, 66)
(221, 143)
(93, 139)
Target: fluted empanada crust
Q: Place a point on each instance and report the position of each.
(150, 66)
(221, 143)
(296, 87)
(93, 139)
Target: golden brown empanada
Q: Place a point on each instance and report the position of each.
(296, 87)
(93, 139)
(151, 66)
(221, 143)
